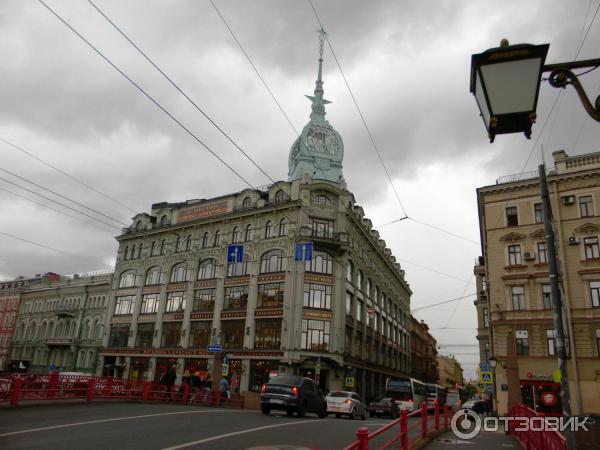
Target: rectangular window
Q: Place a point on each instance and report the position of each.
(348, 303)
(119, 334)
(514, 255)
(175, 301)
(270, 295)
(538, 216)
(315, 335)
(267, 333)
(591, 247)
(546, 298)
(586, 206)
(149, 303)
(236, 297)
(233, 333)
(518, 297)
(317, 296)
(321, 227)
(486, 318)
(200, 334)
(595, 293)
(512, 218)
(542, 252)
(598, 341)
(124, 305)
(359, 310)
(145, 334)
(171, 334)
(204, 300)
(551, 341)
(522, 338)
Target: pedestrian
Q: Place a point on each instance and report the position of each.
(224, 389)
(234, 383)
(168, 380)
(207, 383)
(185, 381)
(195, 385)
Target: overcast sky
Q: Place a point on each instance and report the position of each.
(408, 66)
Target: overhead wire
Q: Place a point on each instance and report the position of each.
(433, 305)
(77, 180)
(148, 96)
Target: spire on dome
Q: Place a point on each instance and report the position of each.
(318, 102)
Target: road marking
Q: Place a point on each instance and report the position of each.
(237, 433)
(115, 419)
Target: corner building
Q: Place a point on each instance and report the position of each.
(344, 312)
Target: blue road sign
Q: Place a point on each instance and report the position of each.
(304, 251)
(235, 253)
(215, 349)
(485, 367)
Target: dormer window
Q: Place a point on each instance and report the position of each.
(139, 226)
(247, 204)
(280, 197)
(164, 220)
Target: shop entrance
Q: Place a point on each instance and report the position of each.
(162, 365)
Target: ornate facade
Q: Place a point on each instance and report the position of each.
(61, 322)
(335, 311)
(521, 326)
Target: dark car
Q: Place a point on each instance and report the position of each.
(384, 407)
(292, 394)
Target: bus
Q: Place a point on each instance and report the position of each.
(435, 392)
(456, 396)
(408, 393)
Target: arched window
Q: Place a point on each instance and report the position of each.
(163, 244)
(322, 199)
(238, 269)
(321, 262)
(368, 290)
(153, 249)
(269, 230)
(153, 276)
(138, 225)
(132, 252)
(164, 220)
(283, 227)
(217, 240)
(178, 245)
(249, 234)
(127, 279)
(349, 271)
(205, 240)
(247, 204)
(206, 269)
(359, 279)
(139, 254)
(235, 235)
(126, 253)
(280, 197)
(273, 261)
(178, 273)
(188, 243)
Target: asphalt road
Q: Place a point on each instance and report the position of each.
(131, 426)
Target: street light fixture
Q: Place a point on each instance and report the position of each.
(506, 82)
(493, 362)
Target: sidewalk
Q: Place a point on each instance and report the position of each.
(487, 440)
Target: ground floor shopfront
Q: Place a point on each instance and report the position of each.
(62, 357)
(251, 368)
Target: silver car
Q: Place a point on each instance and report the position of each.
(346, 403)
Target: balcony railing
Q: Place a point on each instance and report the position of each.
(320, 235)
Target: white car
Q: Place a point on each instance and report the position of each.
(346, 403)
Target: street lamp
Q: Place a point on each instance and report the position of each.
(506, 82)
(493, 362)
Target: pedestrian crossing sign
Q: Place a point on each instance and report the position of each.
(485, 377)
(349, 382)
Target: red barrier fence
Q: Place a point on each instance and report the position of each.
(534, 439)
(54, 386)
(401, 431)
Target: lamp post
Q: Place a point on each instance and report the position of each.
(493, 363)
(506, 81)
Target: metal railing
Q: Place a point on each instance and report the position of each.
(536, 439)
(401, 431)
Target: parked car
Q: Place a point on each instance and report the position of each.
(346, 403)
(384, 406)
(292, 394)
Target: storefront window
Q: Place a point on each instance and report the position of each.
(261, 372)
(145, 334)
(171, 332)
